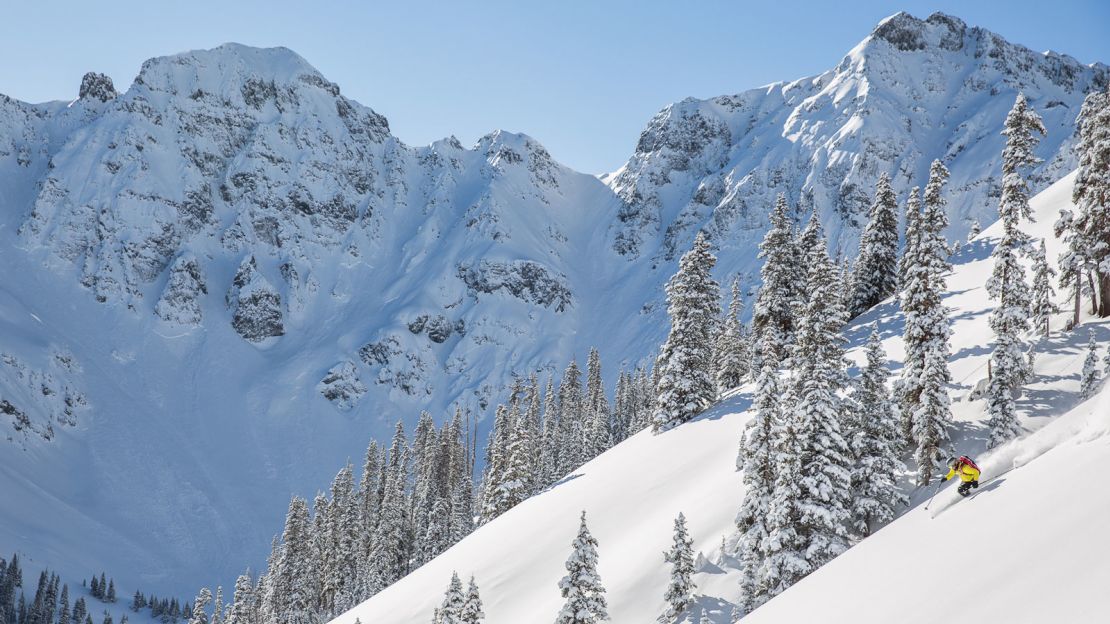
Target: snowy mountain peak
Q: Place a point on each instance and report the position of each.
(225, 69)
(912, 91)
(97, 86)
(908, 33)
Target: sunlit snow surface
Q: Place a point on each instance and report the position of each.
(1029, 547)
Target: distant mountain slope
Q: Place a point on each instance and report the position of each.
(633, 492)
(913, 91)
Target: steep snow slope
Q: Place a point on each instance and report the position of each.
(1030, 546)
(913, 91)
(633, 492)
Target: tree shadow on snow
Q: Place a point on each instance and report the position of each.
(717, 611)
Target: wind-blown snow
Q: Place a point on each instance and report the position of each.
(1032, 524)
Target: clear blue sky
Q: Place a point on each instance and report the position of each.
(583, 77)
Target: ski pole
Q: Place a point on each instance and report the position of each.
(935, 490)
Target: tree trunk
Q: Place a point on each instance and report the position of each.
(1094, 292)
(1104, 295)
(1078, 286)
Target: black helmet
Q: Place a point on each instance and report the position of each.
(953, 462)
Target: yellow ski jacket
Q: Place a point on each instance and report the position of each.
(967, 473)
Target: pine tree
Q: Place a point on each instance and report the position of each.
(731, 363)
(773, 314)
(598, 435)
(824, 476)
(571, 453)
(218, 606)
(1089, 381)
(922, 390)
(581, 587)
(1091, 195)
(450, 612)
(472, 609)
(1044, 296)
(875, 446)
(241, 601)
(686, 385)
(784, 562)
(388, 558)
(876, 272)
(757, 460)
(549, 460)
(680, 590)
(1010, 318)
(199, 615)
(63, 611)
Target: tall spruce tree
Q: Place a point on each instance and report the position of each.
(1044, 296)
(450, 612)
(1091, 195)
(876, 271)
(731, 358)
(824, 476)
(681, 587)
(923, 392)
(198, 614)
(571, 453)
(1007, 284)
(757, 459)
(686, 385)
(472, 608)
(773, 314)
(875, 446)
(581, 587)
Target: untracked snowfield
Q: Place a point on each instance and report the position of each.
(1029, 547)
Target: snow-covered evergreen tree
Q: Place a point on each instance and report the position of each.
(686, 385)
(511, 486)
(974, 230)
(784, 562)
(571, 453)
(923, 392)
(1088, 383)
(242, 601)
(876, 270)
(731, 357)
(598, 434)
(1090, 240)
(875, 445)
(450, 612)
(199, 614)
(581, 587)
(773, 314)
(680, 589)
(757, 458)
(472, 608)
(824, 475)
(1044, 296)
(1010, 318)
(387, 561)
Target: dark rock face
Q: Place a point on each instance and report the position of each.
(342, 386)
(439, 327)
(257, 312)
(97, 87)
(526, 280)
(180, 300)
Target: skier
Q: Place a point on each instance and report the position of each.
(968, 471)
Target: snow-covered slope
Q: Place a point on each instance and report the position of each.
(633, 492)
(913, 91)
